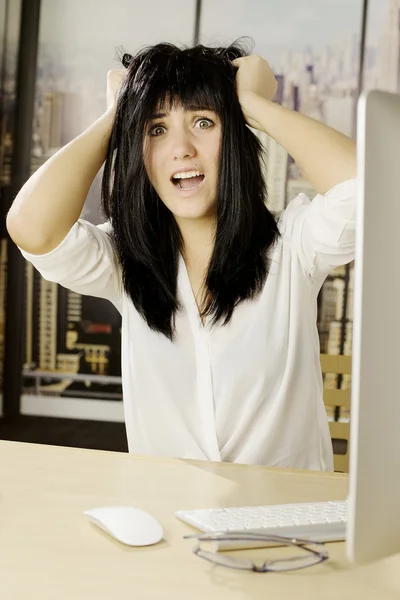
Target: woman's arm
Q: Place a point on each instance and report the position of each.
(52, 199)
(325, 156)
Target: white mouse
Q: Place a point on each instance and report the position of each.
(128, 525)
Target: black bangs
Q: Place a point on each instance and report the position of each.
(191, 96)
(196, 78)
(193, 86)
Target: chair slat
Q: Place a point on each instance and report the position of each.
(341, 463)
(339, 431)
(337, 398)
(338, 365)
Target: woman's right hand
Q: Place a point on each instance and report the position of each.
(114, 82)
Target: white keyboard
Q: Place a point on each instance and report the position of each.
(316, 521)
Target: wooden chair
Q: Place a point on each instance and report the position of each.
(338, 398)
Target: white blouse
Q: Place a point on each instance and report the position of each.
(250, 391)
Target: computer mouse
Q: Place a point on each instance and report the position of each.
(127, 524)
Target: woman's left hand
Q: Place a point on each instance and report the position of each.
(254, 78)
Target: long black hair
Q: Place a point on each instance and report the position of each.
(145, 234)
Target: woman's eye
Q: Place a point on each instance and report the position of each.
(204, 123)
(157, 130)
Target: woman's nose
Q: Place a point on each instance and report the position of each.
(183, 147)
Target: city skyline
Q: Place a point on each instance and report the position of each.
(286, 24)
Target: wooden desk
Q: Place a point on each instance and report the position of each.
(49, 550)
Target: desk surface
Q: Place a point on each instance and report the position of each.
(49, 550)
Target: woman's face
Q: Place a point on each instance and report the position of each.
(181, 156)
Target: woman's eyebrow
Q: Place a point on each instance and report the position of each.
(189, 108)
(158, 116)
(197, 107)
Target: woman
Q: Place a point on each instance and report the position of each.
(220, 352)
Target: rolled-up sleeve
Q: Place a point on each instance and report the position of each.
(84, 262)
(322, 231)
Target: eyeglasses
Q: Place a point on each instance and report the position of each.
(308, 553)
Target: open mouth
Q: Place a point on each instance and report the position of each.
(189, 180)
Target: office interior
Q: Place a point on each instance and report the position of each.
(60, 371)
(59, 351)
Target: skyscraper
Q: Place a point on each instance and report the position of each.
(277, 161)
(3, 273)
(29, 327)
(48, 326)
(276, 175)
(389, 63)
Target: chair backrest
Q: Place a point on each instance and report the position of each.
(337, 401)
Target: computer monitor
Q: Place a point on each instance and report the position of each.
(374, 473)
